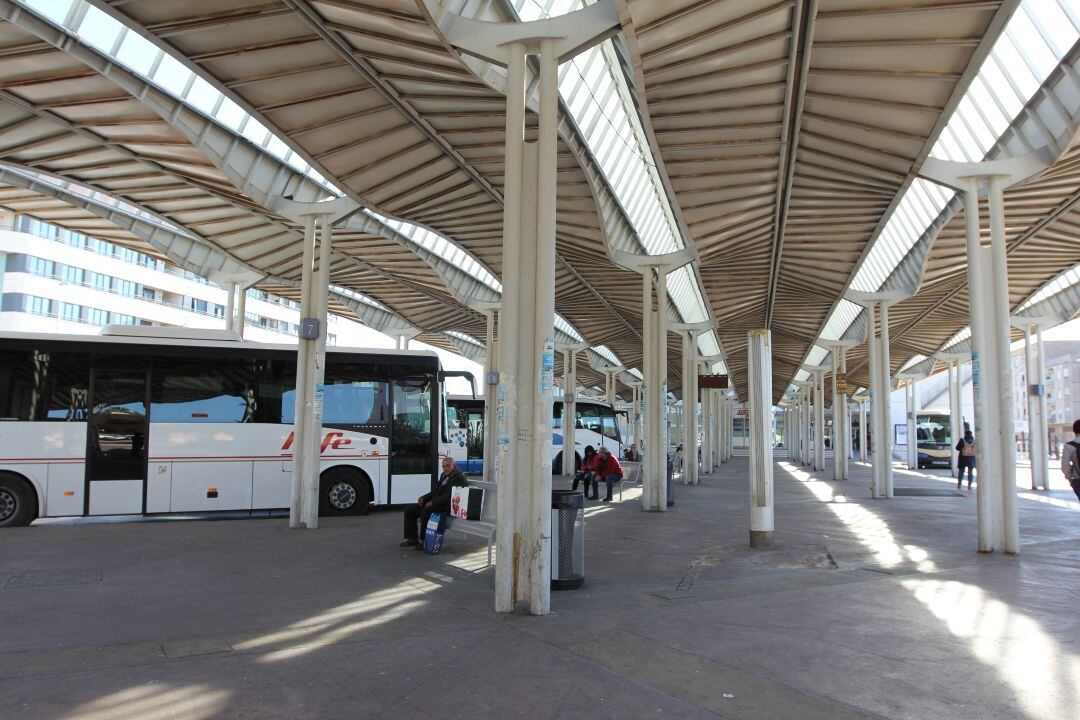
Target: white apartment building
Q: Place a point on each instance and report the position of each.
(57, 281)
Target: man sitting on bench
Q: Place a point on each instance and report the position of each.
(608, 468)
(437, 501)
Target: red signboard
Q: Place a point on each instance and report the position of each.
(713, 382)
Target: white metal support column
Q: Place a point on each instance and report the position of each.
(911, 412)
(634, 417)
(690, 368)
(1043, 459)
(230, 306)
(569, 407)
(318, 219)
(877, 307)
(841, 413)
(527, 321)
(991, 364)
(806, 445)
(1035, 392)
(708, 426)
(956, 429)
(912, 426)
(794, 424)
(759, 389)
(817, 372)
(491, 375)
(654, 270)
(863, 435)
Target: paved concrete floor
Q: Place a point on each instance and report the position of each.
(865, 609)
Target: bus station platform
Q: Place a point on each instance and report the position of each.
(863, 609)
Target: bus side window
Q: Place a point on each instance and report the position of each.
(611, 428)
(588, 416)
(191, 390)
(39, 385)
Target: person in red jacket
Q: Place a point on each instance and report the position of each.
(587, 472)
(608, 468)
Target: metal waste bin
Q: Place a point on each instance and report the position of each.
(670, 482)
(567, 539)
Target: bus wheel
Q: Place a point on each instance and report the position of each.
(344, 491)
(18, 505)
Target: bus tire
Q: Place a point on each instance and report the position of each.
(18, 501)
(344, 491)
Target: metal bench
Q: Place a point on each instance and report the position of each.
(485, 526)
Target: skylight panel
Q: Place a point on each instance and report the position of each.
(171, 75)
(99, 29)
(562, 324)
(55, 10)
(605, 352)
(1065, 280)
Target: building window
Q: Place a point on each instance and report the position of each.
(74, 275)
(38, 305)
(97, 317)
(37, 266)
(118, 319)
(99, 281)
(70, 312)
(127, 288)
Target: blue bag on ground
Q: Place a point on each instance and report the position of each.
(433, 533)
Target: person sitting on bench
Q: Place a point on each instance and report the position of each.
(608, 468)
(436, 501)
(586, 473)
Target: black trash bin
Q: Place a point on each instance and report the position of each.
(567, 539)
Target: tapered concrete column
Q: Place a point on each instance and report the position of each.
(318, 219)
(761, 446)
(988, 289)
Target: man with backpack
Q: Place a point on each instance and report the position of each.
(966, 448)
(1070, 460)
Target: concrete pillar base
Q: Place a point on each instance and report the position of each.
(761, 539)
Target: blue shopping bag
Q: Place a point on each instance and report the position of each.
(433, 533)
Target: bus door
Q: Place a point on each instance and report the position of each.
(413, 454)
(117, 439)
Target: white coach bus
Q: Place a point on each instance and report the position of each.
(597, 424)
(110, 425)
